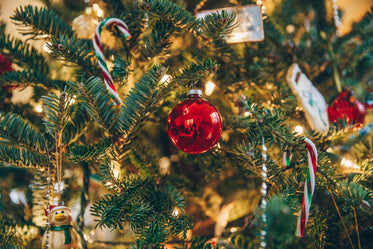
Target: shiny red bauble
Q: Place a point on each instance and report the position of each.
(347, 107)
(194, 125)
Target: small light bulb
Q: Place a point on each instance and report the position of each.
(175, 212)
(39, 108)
(209, 88)
(164, 165)
(298, 129)
(46, 48)
(100, 13)
(166, 79)
(88, 10)
(349, 164)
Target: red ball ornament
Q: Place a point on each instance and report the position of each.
(194, 125)
(6, 66)
(346, 106)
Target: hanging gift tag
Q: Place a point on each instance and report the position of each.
(310, 98)
(249, 23)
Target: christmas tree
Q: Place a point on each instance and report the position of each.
(102, 148)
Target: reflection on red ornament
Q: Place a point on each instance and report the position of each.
(347, 107)
(194, 125)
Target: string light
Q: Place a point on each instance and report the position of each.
(39, 108)
(175, 212)
(164, 165)
(209, 88)
(99, 11)
(166, 79)
(349, 164)
(46, 48)
(298, 129)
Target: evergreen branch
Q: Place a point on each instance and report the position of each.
(23, 54)
(156, 232)
(92, 152)
(217, 24)
(252, 164)
(353, 194)
(125, 204)
(76, 124)
(57, 111)
(121, 70)
(76, 51)
(198, 243)
(141, 101)
(114, 210)
(7, 236)
(29, 77)
(274, 31)
(116, 6)
(20, 132)
(146, 206)
(341, 218)
(40, 21)
(107, 174)
(190, 74)
(93, 96)
(143, 159)
(157, 41)
(21, 157)
(265, 123)
(170, 12)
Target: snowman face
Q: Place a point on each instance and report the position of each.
(60, 217)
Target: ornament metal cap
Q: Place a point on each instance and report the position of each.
(194, 91)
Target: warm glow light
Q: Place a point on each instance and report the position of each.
(39, 108)
(98, 10)
(298, 129)
(166, 79)
(88, 10)
(175, 212)
(100, 13)
(349, 164)
(95, 7)
(247, 114)
(115, 169)
(164, 165)
(209, 88)
(17, 196)
(46, 48)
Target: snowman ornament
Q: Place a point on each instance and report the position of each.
(62, 234)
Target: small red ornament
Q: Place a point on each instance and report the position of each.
(6, 66)
(346, 106)
(194, 125)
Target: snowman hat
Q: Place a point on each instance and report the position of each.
(53, 208)
(58, 208)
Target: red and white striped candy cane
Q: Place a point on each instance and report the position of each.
(101, 58)
(309, 187)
